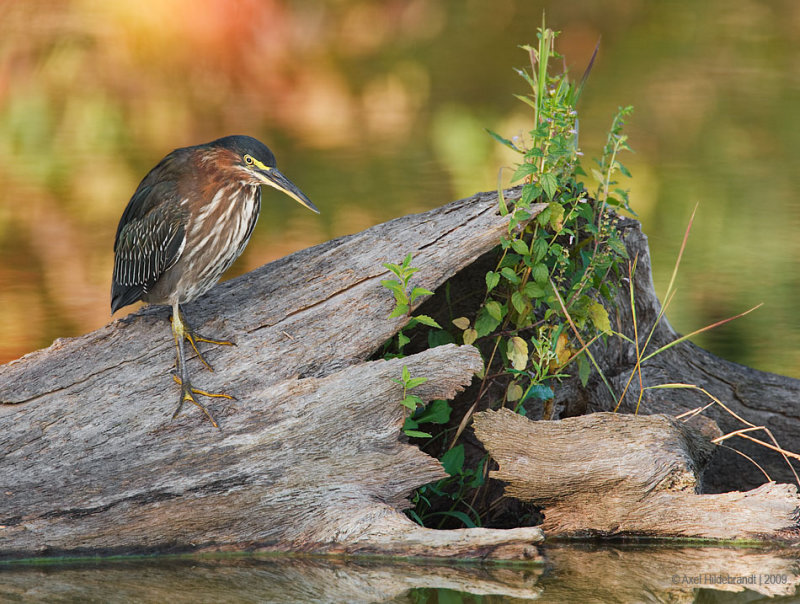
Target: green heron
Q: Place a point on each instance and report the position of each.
(189, 219)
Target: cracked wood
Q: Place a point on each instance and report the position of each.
(310, 456)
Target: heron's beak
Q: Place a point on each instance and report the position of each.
(273, 178)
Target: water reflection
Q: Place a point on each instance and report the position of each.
(577, 573)
(377, 110)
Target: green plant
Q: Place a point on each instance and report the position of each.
(405, 295)
(438, 412)
(545, 299)
(542, 306)
(543, 303)
(454, 489)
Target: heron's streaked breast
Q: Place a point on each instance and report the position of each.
(217, 236)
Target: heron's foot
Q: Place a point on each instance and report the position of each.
(188, 394)
(193, 337)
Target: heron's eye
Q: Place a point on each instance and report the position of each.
(248, 159)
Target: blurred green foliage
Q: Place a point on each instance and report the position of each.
(369, 106)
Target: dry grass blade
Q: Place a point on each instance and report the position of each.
(701, 330)
(680, 252)
(637, 369)
(741, 433)
(750, 459)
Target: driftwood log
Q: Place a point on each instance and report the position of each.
(310, 456)
(610, 474)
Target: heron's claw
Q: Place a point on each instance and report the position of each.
(187, 394)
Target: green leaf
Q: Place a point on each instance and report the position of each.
(616, 244)
(439, 337)
(414, 382)
(419, 291)
(524, 74)
(409, 402)
(494, 309)
(415, 517)
(530, 192)
(543, 217)
(416, 434)
(453, 460)
(399, 311)
(510, 275)
(519, 246)
(540, 273)
(522, 171)
(405, 374)
(402, 339)
(539, 249)
(503, 141)
(412, 401)
(584, 368)
(549, 184)
(478, 478)
(393, 268)
(518, 301)
(534, 290)
(518, 353)
(426, 320)
(396, 288)
(410, 424)
(526, 100)
(492, 279)
(484, 323)
(599, 316)
(467, 523)
(540, 391)
(438, 412)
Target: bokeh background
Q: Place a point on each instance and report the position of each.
(377, 109)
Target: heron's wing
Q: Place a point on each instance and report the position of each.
(150, 239)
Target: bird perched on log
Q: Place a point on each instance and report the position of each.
(189, 219)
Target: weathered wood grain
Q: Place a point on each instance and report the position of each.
(607, 474)
(309, 457)
(309, 313)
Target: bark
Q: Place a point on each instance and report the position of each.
(309, 457)
(608, 474)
